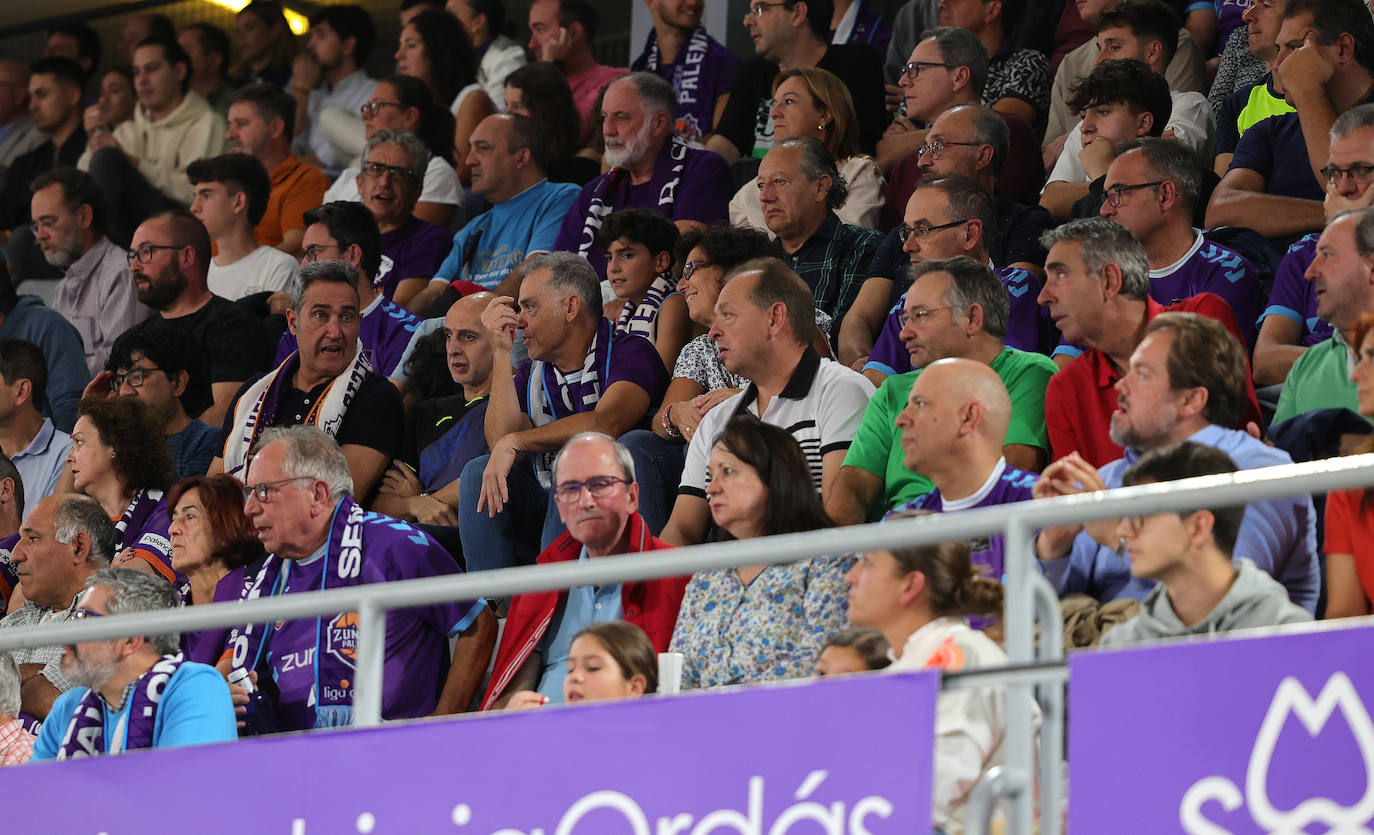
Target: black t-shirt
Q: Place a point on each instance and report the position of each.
(1017, 237)
(375, 418)
(747, 125)
(232, 340)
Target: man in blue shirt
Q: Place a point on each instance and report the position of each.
(27, 318)
(37, 448)
(1186, 382)
(137, 692)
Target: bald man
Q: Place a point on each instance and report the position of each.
(443, 434)
(952, 432)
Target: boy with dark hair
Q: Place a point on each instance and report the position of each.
(1202, 587)
(231, 194)
(639, 261)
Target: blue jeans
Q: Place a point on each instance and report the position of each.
(516, 535)
(658, 470)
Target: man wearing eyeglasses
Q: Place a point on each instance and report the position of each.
(788, 34)
(300, 501)
(132, 693)
(597, 498)
(231, 193)
(70, 217)
(389, 183)
(1152, 188)
(1205, 586)
(1186, 381)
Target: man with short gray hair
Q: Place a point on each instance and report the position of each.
(1097, 289)
(800, 189)
(651, 168)
(389, 181)
(64, 540)
(299, 499)
(327, 382)
(135, 692)
(16, 743)
(581, 376)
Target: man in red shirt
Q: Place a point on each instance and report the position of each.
(1097, 284)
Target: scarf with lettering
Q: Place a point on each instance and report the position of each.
(667, 176)
(336, 638)
(553, 395)
(135, 517)
(640, 319)
(85, 736)
(258, 406)
(693, 79)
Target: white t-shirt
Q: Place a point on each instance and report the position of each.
(1192, 122)
(441, 185)
(263, 269)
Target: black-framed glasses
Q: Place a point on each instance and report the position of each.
(758, 9)
(134, 377)
(936, 149)
(1116, 192)
(921, 231)
(600, 485)
(1362, 173)
(144, 253)
(312, 253)
(263, 491)
(84, 614)
(375, 170)
(690, 268)
(372, 108)
(912, 70)
(920, 315)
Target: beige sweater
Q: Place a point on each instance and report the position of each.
(164, 148)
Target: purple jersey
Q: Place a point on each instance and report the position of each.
(987, 553)
(415, 250)
(385, 331)
(1024, 324)
(1212, 268)
(207, 645)
(631, 358)
(1294, 297)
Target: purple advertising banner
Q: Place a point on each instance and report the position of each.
(1239, 735)
(849, 756)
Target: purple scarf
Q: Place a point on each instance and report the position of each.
(640, 319)
(135, 518)
(551, 395)
(85, 735)
(693, 79)
(338, 635)
(667, 176)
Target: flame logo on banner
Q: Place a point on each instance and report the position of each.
(1291, 699)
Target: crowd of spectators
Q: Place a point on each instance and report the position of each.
(308, 328)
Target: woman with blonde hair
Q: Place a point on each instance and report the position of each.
(813, 102)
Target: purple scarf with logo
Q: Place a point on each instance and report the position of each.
(694, 77)
(343, 558)
(640, 319)
(85, 735)
(667, 177)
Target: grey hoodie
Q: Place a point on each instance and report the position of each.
(1255, 599)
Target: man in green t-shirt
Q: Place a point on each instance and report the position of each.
(956, 307)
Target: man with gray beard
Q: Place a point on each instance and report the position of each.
(95, 294)
(651, 168)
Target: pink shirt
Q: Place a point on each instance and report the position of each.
(586, 87)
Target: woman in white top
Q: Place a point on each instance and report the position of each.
(812, 102)
(434, 48)
(500, 55)
(919, 597)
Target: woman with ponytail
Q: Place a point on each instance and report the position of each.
(920, 597)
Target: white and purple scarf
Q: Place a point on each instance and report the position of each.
(553, 395)
(85, 736)
(642, 319)
(694, 79)
(667, 177)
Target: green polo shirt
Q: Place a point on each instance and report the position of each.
(1320, 379)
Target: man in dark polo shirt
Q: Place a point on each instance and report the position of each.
(326, 383)
(1273, 184)
(170, 261)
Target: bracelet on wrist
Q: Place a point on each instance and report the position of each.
(669, 428)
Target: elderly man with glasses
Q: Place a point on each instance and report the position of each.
(117, 704)
(300, 501)
(389, 183)
(598, 499)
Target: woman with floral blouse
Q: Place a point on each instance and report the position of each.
(760, 623)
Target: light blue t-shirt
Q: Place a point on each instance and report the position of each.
(501, 237)
(583, 606)
(42, 461)
(195, 710)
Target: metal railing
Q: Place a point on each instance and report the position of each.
(1028, 600)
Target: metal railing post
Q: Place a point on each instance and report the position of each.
(998, 782)
(1019, 619)
(1050, 695)
(367, 687)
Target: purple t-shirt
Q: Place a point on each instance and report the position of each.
(207, 645)
(1212, 268)
(1293, 295)
(417, 655)
(700, 192)
(385, 331)
(632, 358)
(1025, 324)
(415, 250)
